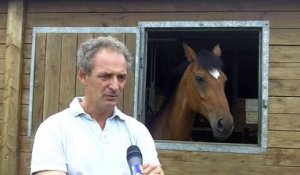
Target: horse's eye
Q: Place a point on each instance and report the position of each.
(200, 79)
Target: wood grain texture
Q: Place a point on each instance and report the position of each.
(68, 70)
(283, 139)
(285, 71)
(12, 88)
(284, 105)
(285, 36)
(277, 19)
(279, 54)
(3, 18)
(286, 88)
(2, 52)
(2, 36)
(284, 122)
(52, 75)
(39, 82)
(162, 6)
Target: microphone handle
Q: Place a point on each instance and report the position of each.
(137, 169)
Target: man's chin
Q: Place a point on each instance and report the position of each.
(111, 103)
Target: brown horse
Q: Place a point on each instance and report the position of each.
(201, 90)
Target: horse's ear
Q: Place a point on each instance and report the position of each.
(217, 51)
(189, 53)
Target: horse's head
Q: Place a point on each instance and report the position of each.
(205, 83)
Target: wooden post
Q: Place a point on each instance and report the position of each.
(12, 89)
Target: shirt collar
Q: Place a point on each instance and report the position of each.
(75, 107)
(77, 110)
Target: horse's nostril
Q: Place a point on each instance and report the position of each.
(220, 123)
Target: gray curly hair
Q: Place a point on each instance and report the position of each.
(88, 49)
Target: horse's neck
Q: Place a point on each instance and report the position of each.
(179, 117)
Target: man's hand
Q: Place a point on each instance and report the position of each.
(152, 170)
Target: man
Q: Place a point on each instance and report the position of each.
(91, 137)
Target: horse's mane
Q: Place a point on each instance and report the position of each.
(208, 60)
(205, 59)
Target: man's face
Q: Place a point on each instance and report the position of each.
(107, 79)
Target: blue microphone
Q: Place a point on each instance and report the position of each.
(135, 160)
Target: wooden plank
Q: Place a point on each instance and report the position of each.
(1, 81)
(12, 97)
(283, 157)
(162, 6)
(23, 127)
(2, 51)
(2, 63)
(81, 38)
(25, 81)
(3, 18)
(1, 96)
(284, 88)
(25, 159)
(52, 74)
(285, 53)
(24, 171)
(129, 88)
(26, 66)
(284, 122)
(190, 168)
(283, 139)
(27, 50)
(1, 123)
(68, 70)
(28, 36)
(39, 82)
(285, 37)
(277, 19)
(2, 36)
(287, 71)
(204, 169)
(24, 112)
(25, 96)
(1, 112)
(26, 144)
(284, 105)
(273, 157)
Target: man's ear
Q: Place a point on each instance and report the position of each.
(82, 76)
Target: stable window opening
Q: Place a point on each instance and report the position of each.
(243, 52)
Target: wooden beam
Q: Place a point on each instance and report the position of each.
(12, 88)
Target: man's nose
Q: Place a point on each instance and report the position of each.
(114, 83)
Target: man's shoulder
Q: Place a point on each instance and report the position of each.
(59, 117)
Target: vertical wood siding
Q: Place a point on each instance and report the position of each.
(283, 155)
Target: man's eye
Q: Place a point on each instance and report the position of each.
(106, 76)
(122, 77)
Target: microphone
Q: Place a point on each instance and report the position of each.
(135, 160)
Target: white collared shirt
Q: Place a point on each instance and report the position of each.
(73, 142)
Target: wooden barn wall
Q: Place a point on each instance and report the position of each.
(3, 17)
(283, 155)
